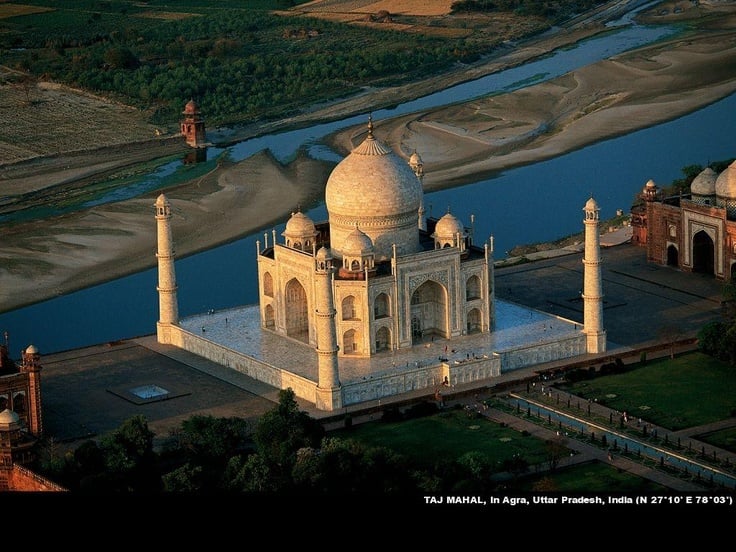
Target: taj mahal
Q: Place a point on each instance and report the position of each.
(379, 299)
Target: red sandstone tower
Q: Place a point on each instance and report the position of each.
(192, 127)
(32, 366)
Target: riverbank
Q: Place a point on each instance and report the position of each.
(458, 144)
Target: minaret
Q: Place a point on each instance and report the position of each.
(167, 303)
(592, 282)
(415, 162)
(329, 392)
(31, 364)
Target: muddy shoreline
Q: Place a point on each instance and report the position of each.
(44, 259)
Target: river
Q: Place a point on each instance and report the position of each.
(535, 203)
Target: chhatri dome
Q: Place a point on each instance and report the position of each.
(726, 190)
(377, 190)
(726, 182)
(300, 232)
(448, 226)
(357, 243)
(705, 183)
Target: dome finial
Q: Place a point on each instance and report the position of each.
(370, 125)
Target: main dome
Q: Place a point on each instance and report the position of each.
(377, 190)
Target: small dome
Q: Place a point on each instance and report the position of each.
(415, 161)
(705, 183)
(8, 419)
(300, 225)
(591, 204)
(324, 254)
(31, 350)
(161, 200)
(357, 243)
(191, 108)
(726, 182)
(650, 184)
(448, 226)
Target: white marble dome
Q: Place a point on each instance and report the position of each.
(323, 255)
(377, 190)
(448, 227)
(9, 420)
(726, 182)
(299, 224)
(357, 243)
(705, 183)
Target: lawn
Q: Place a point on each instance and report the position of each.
(448, 436)
(593, 478)
(689, 390)
(725, 439)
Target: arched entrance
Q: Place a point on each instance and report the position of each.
(429, 311)
(269, 318)
(473, 322)
(672, 256)
(297, 319)
(350, 342)
(383, 339)
(703, 253)
(472, 288)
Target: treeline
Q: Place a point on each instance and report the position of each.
(239, 62)
(285, 452)
(555, 11)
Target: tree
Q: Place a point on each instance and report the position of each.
(556, 449)
(119, 57)
(129, 456)
(670, 334)
(284, 430)
(27, 84)
(205, 444)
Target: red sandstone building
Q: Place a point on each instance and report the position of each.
(192, 125)
(21, 423)
(694, 232)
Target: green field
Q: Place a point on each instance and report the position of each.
(687, 391)
(665, 388)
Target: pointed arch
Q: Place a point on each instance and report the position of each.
(472, 288)
(383, 339)
(269, 320)
(297, 311)
(703, 253)
(268, 284)
(381, 306)
(350, 342)
(19, 403)
(349, 309)
(429, 311)
(672, 256)
(474, 321)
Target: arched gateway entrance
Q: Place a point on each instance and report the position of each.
(703, 253)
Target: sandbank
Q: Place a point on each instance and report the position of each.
(458, 144)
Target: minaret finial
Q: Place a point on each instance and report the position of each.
(370, 125)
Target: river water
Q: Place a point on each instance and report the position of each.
(535, 203)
